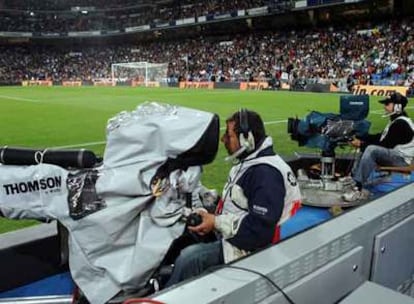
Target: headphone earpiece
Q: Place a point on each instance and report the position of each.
(397, 108)
(246, 137)
(247, 142)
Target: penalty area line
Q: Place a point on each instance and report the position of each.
(18, 98)
(381, 112)
(97, 143)
(93, 143)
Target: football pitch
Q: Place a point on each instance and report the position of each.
(63, 117)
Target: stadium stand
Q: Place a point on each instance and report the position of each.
(108, 15)
(376, 52)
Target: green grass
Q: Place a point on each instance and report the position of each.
(43, 117)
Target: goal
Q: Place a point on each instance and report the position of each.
(140, 73)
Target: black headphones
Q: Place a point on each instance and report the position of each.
(246, 137)
(397, 108)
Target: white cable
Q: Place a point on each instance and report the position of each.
(39, 155)
(236, 154)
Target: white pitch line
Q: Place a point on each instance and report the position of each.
(95, 143)
(274, 122)
(18, 98)
(382, 111)
(223, 128)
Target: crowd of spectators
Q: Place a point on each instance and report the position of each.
(61, 5)
(363, 54)
(67, 16)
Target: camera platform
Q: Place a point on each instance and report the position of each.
(323, 180)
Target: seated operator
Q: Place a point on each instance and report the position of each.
(261, 192)
(393, 147)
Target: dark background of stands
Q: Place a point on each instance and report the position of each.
(50, 21)
(281, 15)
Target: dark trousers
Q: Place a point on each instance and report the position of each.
(194, 259)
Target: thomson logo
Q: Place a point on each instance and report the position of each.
(34, 185)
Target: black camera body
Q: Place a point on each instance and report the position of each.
(328, 130)
(194, 219)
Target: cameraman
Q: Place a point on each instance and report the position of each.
(261, 192)
(393, 147)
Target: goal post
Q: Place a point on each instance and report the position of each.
(140, 73)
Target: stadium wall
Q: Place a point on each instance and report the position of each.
(243, 86)
(227, 85)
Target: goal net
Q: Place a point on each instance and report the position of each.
(140, 73)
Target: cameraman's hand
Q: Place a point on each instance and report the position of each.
(206, 226)
(355, 142)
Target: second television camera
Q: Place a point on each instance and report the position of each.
(327, 131)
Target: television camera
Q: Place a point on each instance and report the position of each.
(327, 131)
(134, 203)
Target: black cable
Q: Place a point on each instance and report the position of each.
(255, 272)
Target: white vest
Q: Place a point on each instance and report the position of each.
(405, 150)
(292, 189)
(228, 222)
